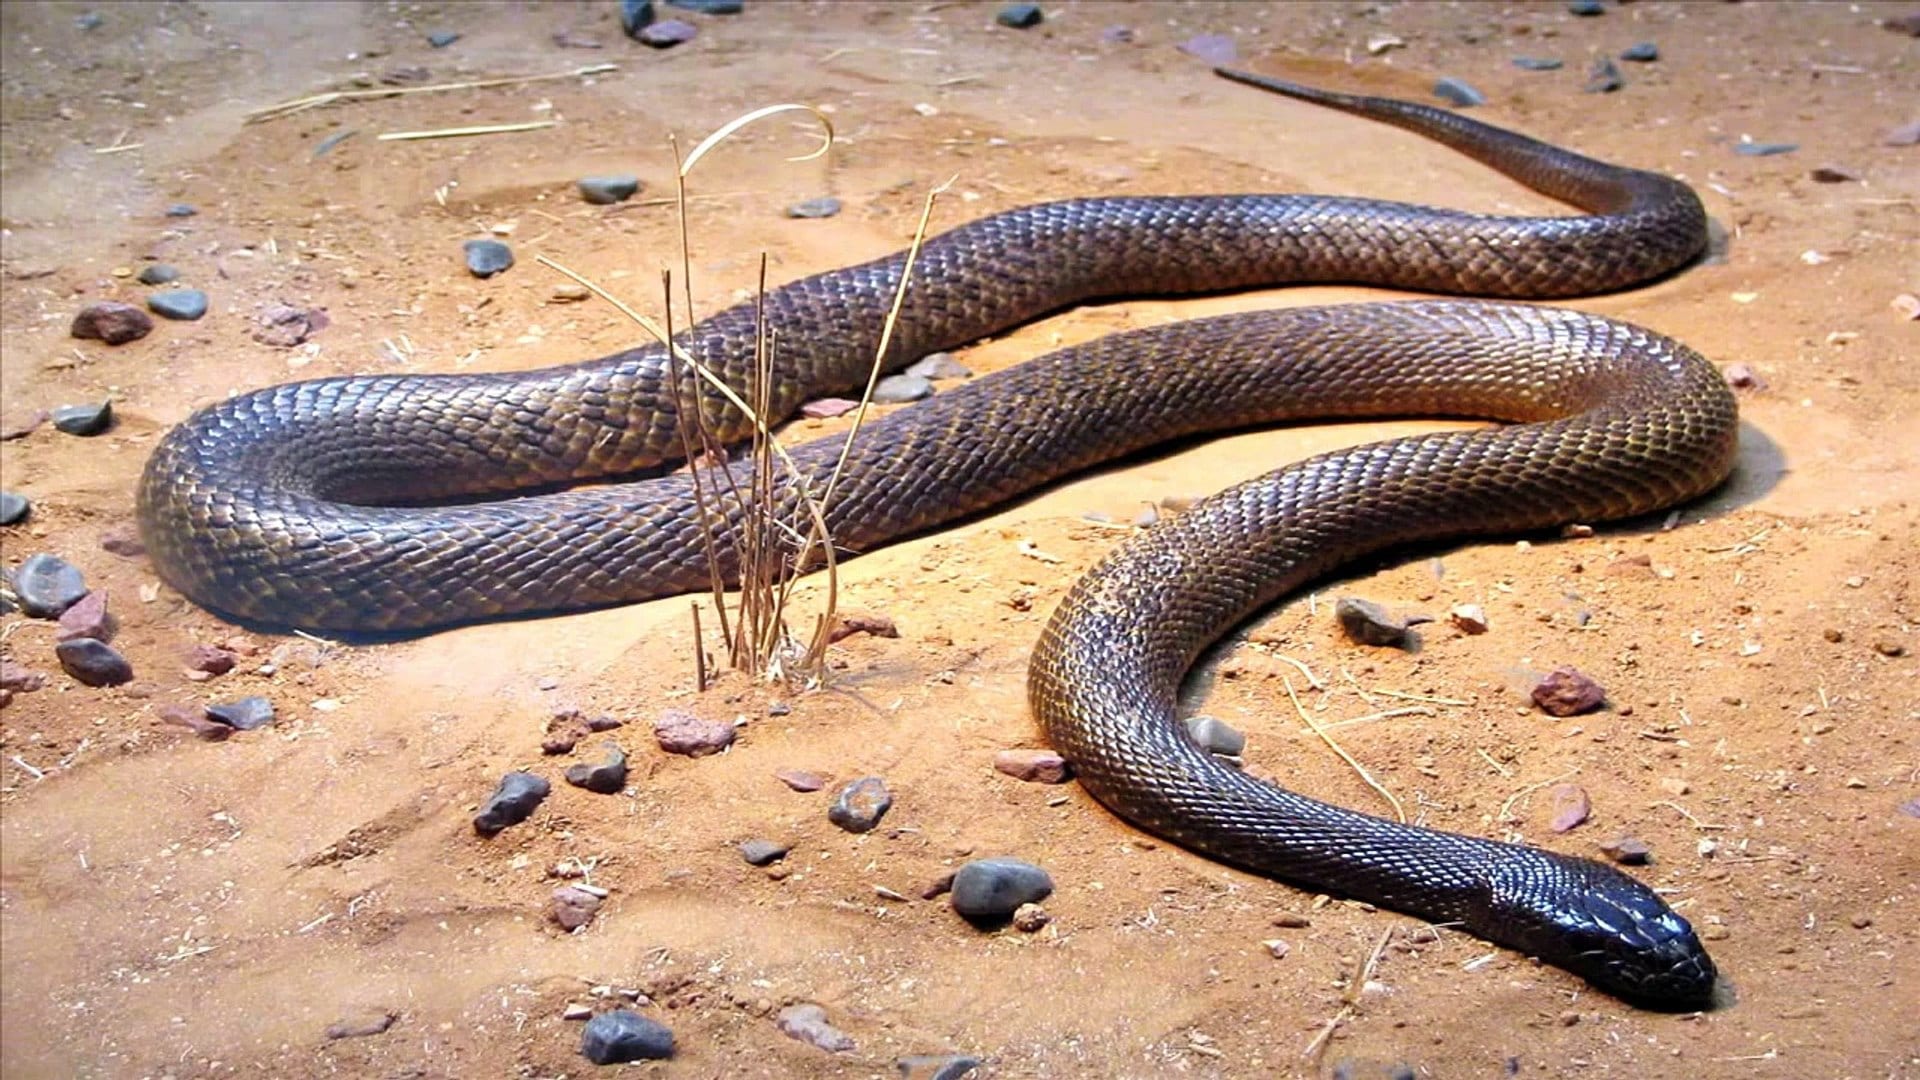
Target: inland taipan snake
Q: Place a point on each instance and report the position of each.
(355, 503)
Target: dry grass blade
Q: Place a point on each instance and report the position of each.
(458, 132)
(727, 130)
(288, 108)
(1399, 812)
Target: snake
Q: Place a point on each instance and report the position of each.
(402, 501)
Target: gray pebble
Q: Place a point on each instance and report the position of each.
(1212, 48)
(665, 35)
(1215, 736)
(938, 366)
(991, 890)
(181, 209)
(91, 20)
(823, 207)
(624, 1035)
(1646, 52)
(84, 419)
(861, 804)
(1458, 92)
(48, 585)
(245, 714)
(93, 662)
(1368, 623)
(184, 305)
(1587, 7)
(1604, 77)
(1537, 63)
(936, 1066)
(710, 7)
(635, 15)
(763, 852)
(607, 190)
(606, 778)
(440, 39)
(158, 274)
(514, 801)
(112, 322)
(895, 389)
(486, 258)
(14, 508)
(808, 1023)
(1764, 149)
(1020, 16)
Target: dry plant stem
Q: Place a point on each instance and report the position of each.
(477, 129)
(699, 652)
(1399, 812)
(288, 108)
(1351, 1005)
(693, 469)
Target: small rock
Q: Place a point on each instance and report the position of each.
(1566, 692)
(1458, 92)
(624, 1035)
(195, 720)
(361, 1026)
(93, 662)
(1860, 922)
(1033, 766)
(1889, 647)
(635, 15)
(1834, 635)
(572, 907)
(1742, 377)
(779, 708)
(1292, 920)
(14, 508)
(823, 207)
(935, 1066)
(47, 585)
(1020, 16)
(245, 714)
(571, 38)
(763, 852)
(681, 732)
(1277, 948)
(987, 891)
(1381, 44)
(23, 428)
(123, 541)
(1369, 624)
(284, 326)
(1646, 52)
(84, 420)
(1030, 918)
(513, 802)
(667, 34)
(440, 39)
(486, 258)
(808, 1023)
(801, 779)
(1216, 736)
(1604, 77)
(211, 659)
(1906, 305)
(828, 408)
(1468, 618)
(112, 322)
(1571, 806)
(87, 617)
(577, 1011)
(851, 623)
(1764, 149)
(607, 190)
(938, 367)
(710, 7)
(181, 209)
(895, 389)
(183, 305)
(861, 804)
(938, 887)
(90, 20)
(158, 274)
(1674, 786)
(20, 679)
(1904, 135)
(1627, 851)
(1537, 63)
(1715, 932)
(1833, 174)
(606, 778)
(1211, 48)
(570, 293)
(1587, 8)
(1118, 35)
(1903, 24)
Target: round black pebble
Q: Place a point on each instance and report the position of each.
(607, 190)
(624, 1035)
(991, 890)
(243, 715)
(93, 662)
(48, 585)
(185, 305)
(1020, 16)
(158, 274)
(84, 419)
(14, 508)
(513, 802)
(486, 258)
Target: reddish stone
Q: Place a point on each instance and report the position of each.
(112, 322)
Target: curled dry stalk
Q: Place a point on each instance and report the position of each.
(769, 552)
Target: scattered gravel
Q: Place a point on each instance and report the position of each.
(623, 1035)
(1570, 804)
(84, 420)
(486, 258)
(87, 617)
(513, 802)
(807, 1022)
(1566, 692)
(112, 322)
(608, 777)
(607, 190)
(48, 585)
(1033, 766)
(896, 389)
(823, 207)
(1215, 736)
(861, 804)
(681, 732)
(667, 34)
(245, 714)
(14, 507)
(158, 274)
(763, 852)
(1020, 16)
(93, 662)
(1458, 92)
(573, 907)
(987, 891)
(182, 305)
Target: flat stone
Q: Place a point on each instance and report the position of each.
(93, 662)
(668, 33)
(681, 732)
(828, 408)
(196, 721)
(19, 678)
(710, 7)
(1566, 692)
(1469, 619)
(14, 508)
(896, 389)
(1458, 92)
(486, 258)
(607, 190)
(763, 852)
(807, 1022)
(991, 890)
(1020, 16)
(87, 617)
(1211, 48)
(1369, 623)
(1537, 63)
(935, 1066)
(514, 801)
(573, 907)
(244, 714)
(624, 1035)
(211, 659)
(1764, 149)
(1588, 8)
(1215, 736)
(861, 805)
(363, 1025)
(606, 778)
(1627, 851)
(83, 420)
(823, 207)
(112, 322)
(938, 367)
(440, 39)
(183, 305)
(1570, 806)
(1033, 766)
(48, 585)
(801, 779)
(158, 274)
(181, 209)
(1646, 52)
(1604, 77)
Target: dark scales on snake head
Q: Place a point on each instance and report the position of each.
(279, 506)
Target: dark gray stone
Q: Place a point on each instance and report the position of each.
(1020, 16)
(14, 507)
(607, 190)
(635, 16)
(486, 258)
(1215, 736)
(1604, 77)
(1458, 92)
(861, 804)
(1764, 149)
(823, 207)
(936, 1066)
(991, 890)
(112, 322)
(245, 714)
(895, 389)
(184, 305)
(514, 801)
(181, 209)
(158, 274)
(84, 419)
(1587, 8)
(93, 662)
(606, 778)
(1646, 52)
(667, 34)
(440, 39)
(48, 585)
(91, 20)
(1370, 624)
(763, 852)
(1537, 63)
(623, 1035)
(710, 7)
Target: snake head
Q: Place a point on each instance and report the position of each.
(1602, 925)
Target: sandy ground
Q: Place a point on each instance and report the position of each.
(172, 907)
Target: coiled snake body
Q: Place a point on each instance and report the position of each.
(302, 504)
